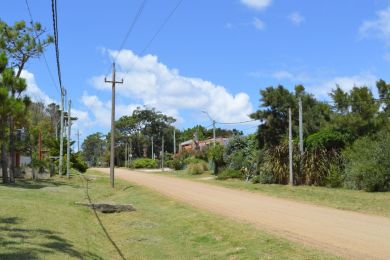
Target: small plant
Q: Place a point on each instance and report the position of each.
(229, 173)
(196, 168)
(145, 163)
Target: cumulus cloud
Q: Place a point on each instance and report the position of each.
(150, 82)
(378, 27)
(33, 91)
(324, 87)
(258, 24)
(257, 4)
(296, 18)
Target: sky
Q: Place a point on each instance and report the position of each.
(212, 56)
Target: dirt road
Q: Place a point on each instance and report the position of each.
(344, 233)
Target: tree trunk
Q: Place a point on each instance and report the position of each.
(4, 159)
(12, 149)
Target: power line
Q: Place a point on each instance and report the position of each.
(55, 31)
(39, 41)
(131, 27)
(237, 123)
(161, 27)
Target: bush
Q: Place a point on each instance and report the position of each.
(78, 163)
(145, 163)
(327, 139)
(175, 164)
(368, 164)
(196, 168)
(229, 173)
(192, 160)
(215, 154)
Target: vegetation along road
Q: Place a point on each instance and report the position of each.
(348, 234)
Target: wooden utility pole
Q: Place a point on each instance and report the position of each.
(112, 151)
(152, 148)
(61, 132)
(290, 147)
(68, 140)
(300, 126)
(40, 145)
(162, 153)
(174, 141)
(78, 140)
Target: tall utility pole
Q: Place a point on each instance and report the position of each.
(68, 146)
(300, 126)
(174, 141)
(214, 139)
(152, 148)
(78, 140)
(290, 147)
(40, 145)
(112, 151)
(126, 154)
(162, 152)
(61, 132)
(214, 132)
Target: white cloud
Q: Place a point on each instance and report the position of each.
(258, 24)
(379, 27)
(323, 88)
(257, 4)
(33, 91)
(150, 81)
(296, 18)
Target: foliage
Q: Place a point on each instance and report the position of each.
(368, 164)
(229, 173)
(93, 148)
(327, 138)
(215, 153)
(197, 168)
(175, 164)
(145, 163)
(192, 159)
(78, 163)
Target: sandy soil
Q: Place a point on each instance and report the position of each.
(344, 233)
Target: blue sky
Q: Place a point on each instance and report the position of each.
(212, 55)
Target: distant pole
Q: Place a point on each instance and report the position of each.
(112, 151)
(61, 132)
(40, 145)
(214, 132)
(78, 140)
(174, 141)
(162, 153)
(300, 126)
(152, 148)
(126, 155)
(290, 147)
(68, 146)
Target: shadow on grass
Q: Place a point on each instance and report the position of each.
(38, 184)
(25, 243)
(100, 222)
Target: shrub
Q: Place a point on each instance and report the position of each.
(368, 164)
(175, 164)
(78, 163)
(327, 139)
(215, 154)
(192, 160)
(195, 168)
(229, 173)
(144, 163)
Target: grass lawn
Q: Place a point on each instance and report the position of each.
(376, 203)
(40, 220)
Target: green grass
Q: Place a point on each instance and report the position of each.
(376, 203)
(40, 220)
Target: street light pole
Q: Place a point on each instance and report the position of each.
(214, 122)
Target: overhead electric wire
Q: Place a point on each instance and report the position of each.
(39, 41)
(129, 30)
(236, 123)
(55, 32)
(161, 27)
